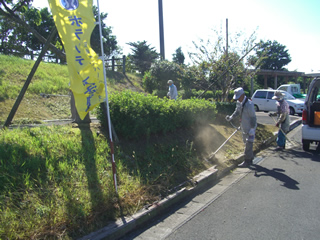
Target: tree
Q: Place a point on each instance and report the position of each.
(43, 26)
(218, 68)
(158, 75)
(272, 55)
(178, 57)
(143, 55)
(13, 11)
(20, 19)
(110, 46)
(15, 37)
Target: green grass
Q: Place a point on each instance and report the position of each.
(50, 78)
(56, 182)
(14, 72)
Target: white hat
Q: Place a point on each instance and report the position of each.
(278, 95)
(170, 81)
(238, 93)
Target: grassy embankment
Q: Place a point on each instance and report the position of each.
(56, 182)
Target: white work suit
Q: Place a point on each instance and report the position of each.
(248, 121)
(173, 93)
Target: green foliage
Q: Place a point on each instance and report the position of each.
(225, 108)
(159, 74)
(135, 115)
(220, 69)
(149, 82)
(110, 46)
(155, 80)
(189, 77)
(143, 55)
(271, 56)
(208, 95)
(178, 56)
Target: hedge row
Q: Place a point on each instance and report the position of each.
(134, 114)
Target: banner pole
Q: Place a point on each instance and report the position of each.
(114, 170)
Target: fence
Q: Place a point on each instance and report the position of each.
(52, 58)
(113, 63)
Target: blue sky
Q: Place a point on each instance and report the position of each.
(293, 23)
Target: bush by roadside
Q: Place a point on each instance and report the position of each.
(135, 114)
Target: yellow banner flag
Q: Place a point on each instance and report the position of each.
(75, 22)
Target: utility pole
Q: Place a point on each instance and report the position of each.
(227, 59)
(227, 37)
(161, 30)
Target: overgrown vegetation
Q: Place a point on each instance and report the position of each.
(135, 114)
(56, 182)
(48, 95)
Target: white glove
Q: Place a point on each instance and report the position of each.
(228, 118)
(251, 132)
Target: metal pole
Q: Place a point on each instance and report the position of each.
(227, 38)
(283, 131)
(161, 30)
(251, 90)
(114, 170)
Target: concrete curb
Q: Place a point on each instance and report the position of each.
(124, 225)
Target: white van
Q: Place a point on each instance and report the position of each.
(311, 115)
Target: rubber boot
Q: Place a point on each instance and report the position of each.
(246, 163)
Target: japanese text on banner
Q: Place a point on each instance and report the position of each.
(75, 22)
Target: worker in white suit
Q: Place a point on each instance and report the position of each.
(173, 93)
(248, 119)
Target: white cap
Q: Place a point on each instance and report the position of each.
(170, 81)
(238, 93)
(278, 95)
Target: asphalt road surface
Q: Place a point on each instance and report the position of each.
(278, 198)
(263, 118)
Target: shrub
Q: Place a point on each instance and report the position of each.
(134, 115)
(159, 73)
(148, 82)
(225, 108)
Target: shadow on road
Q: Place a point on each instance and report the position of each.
(313, 155)
(276, 173)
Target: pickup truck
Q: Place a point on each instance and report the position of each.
(293, 89)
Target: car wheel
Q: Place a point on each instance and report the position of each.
(305, 145)
(256, 108)
(292, 112)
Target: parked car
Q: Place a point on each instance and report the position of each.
(311, 115)
(262, 100)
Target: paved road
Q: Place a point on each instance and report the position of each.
(278, 199)
(263, 118)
